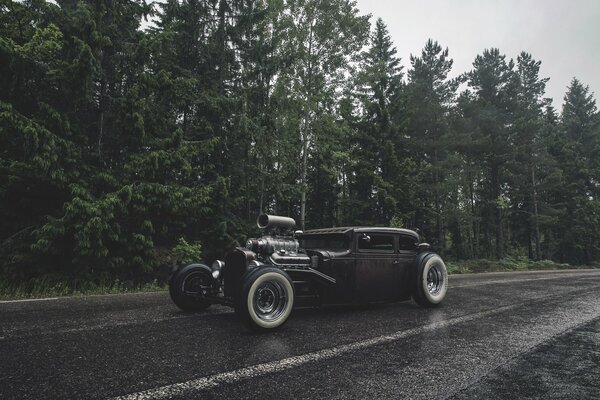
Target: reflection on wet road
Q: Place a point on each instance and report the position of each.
(496, 336)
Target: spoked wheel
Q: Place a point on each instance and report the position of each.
(266, 299)
(189, 285)
(432, 281)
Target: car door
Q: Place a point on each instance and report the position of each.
(377, 272)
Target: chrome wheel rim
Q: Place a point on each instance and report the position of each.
(435, 280)
(270, 300)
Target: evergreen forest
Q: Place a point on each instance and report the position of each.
(138, 135)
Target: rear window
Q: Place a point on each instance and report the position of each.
(332, 242)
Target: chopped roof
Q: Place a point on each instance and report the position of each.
(349, 229)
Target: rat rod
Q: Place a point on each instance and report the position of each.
(285, 269)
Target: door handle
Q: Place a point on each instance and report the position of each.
(396, 262)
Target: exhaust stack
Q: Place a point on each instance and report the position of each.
(274, 221)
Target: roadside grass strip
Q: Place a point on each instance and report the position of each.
(502, 281)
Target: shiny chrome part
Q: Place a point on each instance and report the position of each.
(216, 268)
(217, 265)
(435, 280)
(423, 246)
(268, 245)
(271, 221)
(270, 300)
(255, 263)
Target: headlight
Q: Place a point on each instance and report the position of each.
(216, 268)
(217, 265)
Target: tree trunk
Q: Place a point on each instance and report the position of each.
(536, 223)
(305, 135)
(101, 107)
(475, 244)
(497, 211)
(303, 174)
(438, 204)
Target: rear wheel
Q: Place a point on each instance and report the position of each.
(266, 299)
(188, 285)
(432, 281)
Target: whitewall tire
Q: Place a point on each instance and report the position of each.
(432, 281)
(266, 299)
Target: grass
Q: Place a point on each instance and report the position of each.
(55, 287)
(46, 288)
(507, 265)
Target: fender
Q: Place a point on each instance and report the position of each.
(176, 269)
(422, 257)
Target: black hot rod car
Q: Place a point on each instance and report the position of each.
(284, 269)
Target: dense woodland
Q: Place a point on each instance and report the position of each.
(132, 133)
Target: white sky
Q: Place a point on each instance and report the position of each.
(563, 34)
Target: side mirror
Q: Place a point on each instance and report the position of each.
(298, 233)
(423, 246)
(365, 238)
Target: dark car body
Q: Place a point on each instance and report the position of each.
(284, 269)
(379, 271)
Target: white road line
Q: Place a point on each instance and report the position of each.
(28, 300)
(82, 296)
(258, 370)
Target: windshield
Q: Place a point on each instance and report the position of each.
(330, 242)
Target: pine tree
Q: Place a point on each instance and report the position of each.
(576, 147)
(378, 183)
(493, 81)
(431, 95)
(531, 164)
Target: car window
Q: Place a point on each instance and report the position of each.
(374, 242)
(406, 243)
(332, 242)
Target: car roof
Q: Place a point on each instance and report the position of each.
(350, 229)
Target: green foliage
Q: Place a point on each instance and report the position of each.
(186, 253)
(505, 265)
(53, 286)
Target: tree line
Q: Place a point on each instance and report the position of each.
(130, 131)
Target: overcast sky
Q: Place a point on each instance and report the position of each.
(563, 34)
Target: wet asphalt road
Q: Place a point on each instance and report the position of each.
(510, 335)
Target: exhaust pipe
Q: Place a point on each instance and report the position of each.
(271, 221)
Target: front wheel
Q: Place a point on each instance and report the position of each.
(266, 299)
(432, 281)
(188, 285)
